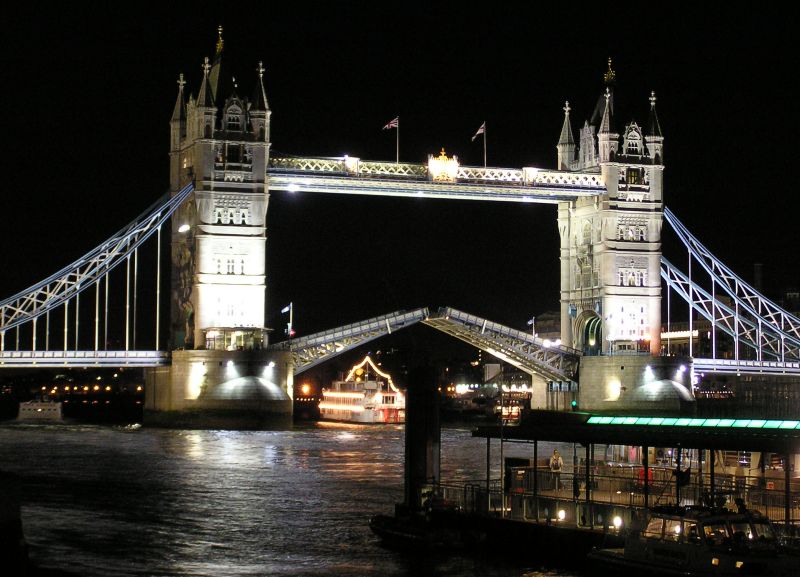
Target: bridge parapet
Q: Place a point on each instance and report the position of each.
(528, 176)
(31, 359)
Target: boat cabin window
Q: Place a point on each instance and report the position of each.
(741, 530)
(763, 531)
(654, 528)
(715, 533)
(692, 535)
(672, 529)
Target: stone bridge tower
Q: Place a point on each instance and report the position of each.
(220, 375)
(221, 141)
(611, 243)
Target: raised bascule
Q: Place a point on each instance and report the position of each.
(219, 363)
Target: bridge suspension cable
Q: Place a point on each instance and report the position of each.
(751, 319)
(56, 290)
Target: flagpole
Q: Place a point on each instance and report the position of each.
(397, 161)
(484, 144)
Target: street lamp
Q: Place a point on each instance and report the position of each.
(532, 324)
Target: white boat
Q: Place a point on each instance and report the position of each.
(699, 542)
(366, 395)
(40, 411)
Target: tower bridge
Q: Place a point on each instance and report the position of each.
(608, 189)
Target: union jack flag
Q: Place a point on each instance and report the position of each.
(481, 130)
(394, 123)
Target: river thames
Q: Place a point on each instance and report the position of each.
(102, 501)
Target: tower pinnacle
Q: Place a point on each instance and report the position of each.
(610, 75)
(220, 41)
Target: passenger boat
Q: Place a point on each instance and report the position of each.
(38, 410)
(366, 395)
(700, 541)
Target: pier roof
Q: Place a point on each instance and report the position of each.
(774, 436)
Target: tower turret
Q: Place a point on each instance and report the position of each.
(259, 109)
(206, 111)
(607, 139)
(566, 143)
(654, 138)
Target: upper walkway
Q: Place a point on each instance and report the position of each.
(348, 175)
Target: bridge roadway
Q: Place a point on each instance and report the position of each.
(349, 175)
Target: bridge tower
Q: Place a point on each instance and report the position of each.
(220, 141)
(611, 243)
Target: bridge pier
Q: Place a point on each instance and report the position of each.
(636, 383)
(220, 389)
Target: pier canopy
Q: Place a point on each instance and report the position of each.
(775, 436)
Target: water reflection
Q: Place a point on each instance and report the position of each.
(103, 502)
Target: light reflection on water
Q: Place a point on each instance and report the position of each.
(104, 501)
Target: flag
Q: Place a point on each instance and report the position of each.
(394, 123)
(287, 308)
(481, 130)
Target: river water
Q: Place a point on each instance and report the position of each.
(102, 501)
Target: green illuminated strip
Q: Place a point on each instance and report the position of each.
(687, 422)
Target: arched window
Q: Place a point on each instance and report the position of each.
(233, 119)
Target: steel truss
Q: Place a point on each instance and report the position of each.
(752, 319)
(85, 272)
(518, 348)
(309, 351)
(355, 176)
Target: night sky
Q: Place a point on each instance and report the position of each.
(87, 96)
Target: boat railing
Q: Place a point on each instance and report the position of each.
(533, 494)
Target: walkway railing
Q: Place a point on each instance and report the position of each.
(532, 495)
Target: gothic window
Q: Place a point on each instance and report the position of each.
(633, 176)
(241, 270)
(632, 142)
(219, 266)
(245, 215)
(631, 232)
(217, 216)
(230, 266)
(234, 119)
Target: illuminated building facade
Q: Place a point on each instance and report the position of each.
(611, 243)
(220, 374)
(221, 141)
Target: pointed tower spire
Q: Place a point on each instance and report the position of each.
(606, 139)
(205, 97)
(179, 112)
(566, 142)
(605, 122)
(653, 126)
(259, 110)
(260, 97)
(178, 120)
(654, 139)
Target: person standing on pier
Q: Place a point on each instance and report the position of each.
(556, 464)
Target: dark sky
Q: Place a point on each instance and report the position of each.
(87, 95)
